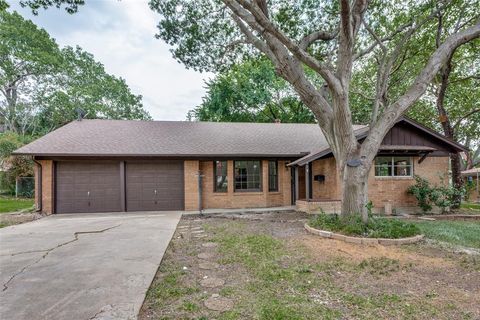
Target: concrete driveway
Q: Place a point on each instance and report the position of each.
(95, 266)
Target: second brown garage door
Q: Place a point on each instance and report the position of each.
(154, 186)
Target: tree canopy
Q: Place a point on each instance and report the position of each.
(43, 85)
(251, 92)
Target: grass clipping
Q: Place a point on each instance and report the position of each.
(376, 227)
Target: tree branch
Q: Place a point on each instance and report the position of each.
(309, 39)
(436, 61)
(465, 116)
(287, 67)
(267, 26)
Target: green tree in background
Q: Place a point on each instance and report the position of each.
(451, 102)
(13, 166)
(83, 83)
(27, 55)
(251, 92)
(42, 85)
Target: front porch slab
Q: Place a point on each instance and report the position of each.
(319, 205)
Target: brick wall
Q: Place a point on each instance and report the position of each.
(329, 189)
(47, 186)
(381, 189)
(394, 189)
(231, 199)
(191, 168)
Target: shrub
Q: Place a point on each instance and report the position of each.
(422, 191)
(376, 227)
(14, 166)
(441, 196)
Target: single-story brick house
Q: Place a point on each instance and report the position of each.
(116, 165)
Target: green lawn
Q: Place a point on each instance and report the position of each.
(273, 271)
(463, 233)
(12, 204)
(472, 206)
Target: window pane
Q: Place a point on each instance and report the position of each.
(272, 176)
(403, 171)
(393, 166)
(383, 161)
(383, 171)
(401, 160)
(220, 174)
(247, 175)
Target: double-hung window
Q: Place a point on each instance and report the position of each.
(393, 167)
(220, 176)
(272, 176)
(248, 175)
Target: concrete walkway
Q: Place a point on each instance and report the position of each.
(242, 210)
(95, 266)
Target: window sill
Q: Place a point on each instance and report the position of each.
(247, 193)
(395, 178)
(274, 192)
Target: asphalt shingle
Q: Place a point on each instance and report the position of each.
(178, 138)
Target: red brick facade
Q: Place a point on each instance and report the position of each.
(382, 190)
(232, 199)
(46, 188)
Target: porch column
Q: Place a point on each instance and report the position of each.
(295, 171)
(307, 181)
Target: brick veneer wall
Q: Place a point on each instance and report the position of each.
(191, 168)
(47, 186)
(382, 190)
(394, 189)
(231, 199)
(329, 189)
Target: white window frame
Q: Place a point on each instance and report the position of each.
(392, 163)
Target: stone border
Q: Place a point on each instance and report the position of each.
(453, 217)
(359, 240)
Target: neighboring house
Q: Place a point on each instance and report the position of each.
(472, 178)
(115, 165)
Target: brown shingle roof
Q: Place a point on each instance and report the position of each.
(177, 138)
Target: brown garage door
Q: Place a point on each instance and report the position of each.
(154, 186)
(87, 187)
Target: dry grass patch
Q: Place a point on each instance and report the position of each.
(274, 270)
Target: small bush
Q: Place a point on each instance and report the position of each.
(376, 227)
(440, 196)
(422, 191)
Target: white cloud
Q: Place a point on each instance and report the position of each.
(120, 34)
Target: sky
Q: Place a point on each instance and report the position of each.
(121, 35)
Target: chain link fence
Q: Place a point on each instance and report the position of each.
(25, 187)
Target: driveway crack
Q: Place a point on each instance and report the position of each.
(47, 252)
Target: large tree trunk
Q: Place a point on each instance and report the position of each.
(11, 97)
(448, 129)
(354, 191)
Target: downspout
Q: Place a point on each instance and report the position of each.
(40, 174)
(200, 204)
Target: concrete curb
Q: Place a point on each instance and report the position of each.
(19, 217)
(365, 241)
(452, 217)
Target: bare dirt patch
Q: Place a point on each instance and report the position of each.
(273, 269)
